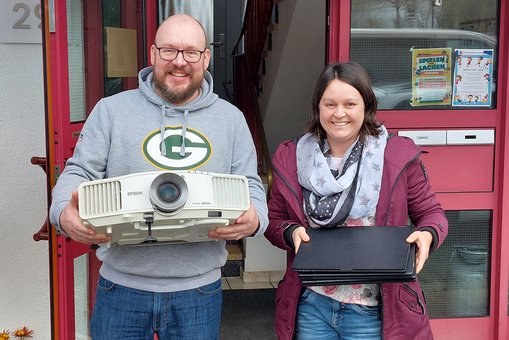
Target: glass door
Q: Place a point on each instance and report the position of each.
(92, 49)
(222, 21)
(437, 105)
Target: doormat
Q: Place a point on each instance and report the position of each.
(248, 314)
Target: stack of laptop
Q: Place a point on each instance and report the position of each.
(353, 255)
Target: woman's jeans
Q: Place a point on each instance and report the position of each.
(126, 313)
(320, 317)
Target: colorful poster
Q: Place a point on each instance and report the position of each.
(431, 76)
(473, 74)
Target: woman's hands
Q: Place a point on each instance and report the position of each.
(299, 235)
(423, 241)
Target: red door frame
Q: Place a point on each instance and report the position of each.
(62, 135)
(501, 315)
(496, 325)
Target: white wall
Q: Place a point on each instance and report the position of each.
(293, 67)
(24, 273)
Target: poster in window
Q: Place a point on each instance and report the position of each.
(473, 73)
(431, 76)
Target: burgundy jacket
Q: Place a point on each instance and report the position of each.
(405, 193)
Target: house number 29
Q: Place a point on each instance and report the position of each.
(24, 12)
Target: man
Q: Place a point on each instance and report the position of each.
(172, 290)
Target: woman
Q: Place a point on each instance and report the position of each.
(390, 186)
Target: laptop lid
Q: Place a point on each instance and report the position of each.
(356, 250)
(311, 278)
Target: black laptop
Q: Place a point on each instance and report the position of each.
(348, 255)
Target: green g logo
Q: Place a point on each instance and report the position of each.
(198, 149)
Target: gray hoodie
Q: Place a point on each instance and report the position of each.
(122, 135)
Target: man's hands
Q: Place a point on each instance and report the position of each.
(71, 224)
(423, 241)
(244, 226)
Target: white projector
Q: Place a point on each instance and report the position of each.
(162, 206)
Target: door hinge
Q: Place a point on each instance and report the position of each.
(57, 172)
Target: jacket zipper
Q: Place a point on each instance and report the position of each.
(396, 182)
(292, 189)
(296, 196)
(386, 220)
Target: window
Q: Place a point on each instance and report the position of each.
(456, 278)
(384, 32)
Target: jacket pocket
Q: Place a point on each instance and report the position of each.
(410, 298)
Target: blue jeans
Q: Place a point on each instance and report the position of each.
(320, 317)
(126, 313)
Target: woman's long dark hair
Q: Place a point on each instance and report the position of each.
(353, 74)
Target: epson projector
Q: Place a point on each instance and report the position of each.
(162, 206)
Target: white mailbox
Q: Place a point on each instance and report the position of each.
(457, 160)
(469, 137)
(426, 137)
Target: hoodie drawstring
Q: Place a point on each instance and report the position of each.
(163, 143)
(184, 128)
(163, 129)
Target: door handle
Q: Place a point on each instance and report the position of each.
(219, 44)
(43, 233)
(40, 161)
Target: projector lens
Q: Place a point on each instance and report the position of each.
(168, 192)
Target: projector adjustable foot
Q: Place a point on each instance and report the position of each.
(149, 218)
(150, 239)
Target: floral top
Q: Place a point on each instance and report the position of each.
(361, 294)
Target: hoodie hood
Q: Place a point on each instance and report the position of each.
(206, 98)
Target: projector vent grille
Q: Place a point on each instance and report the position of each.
(101, 198)
(230, 192)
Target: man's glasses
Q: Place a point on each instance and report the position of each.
(170, 54)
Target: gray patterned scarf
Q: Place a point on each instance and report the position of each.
(353, 193)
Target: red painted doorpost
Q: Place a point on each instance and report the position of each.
(74, 267)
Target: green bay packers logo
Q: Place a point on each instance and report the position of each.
(197, 149)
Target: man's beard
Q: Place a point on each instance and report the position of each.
(177, 97)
